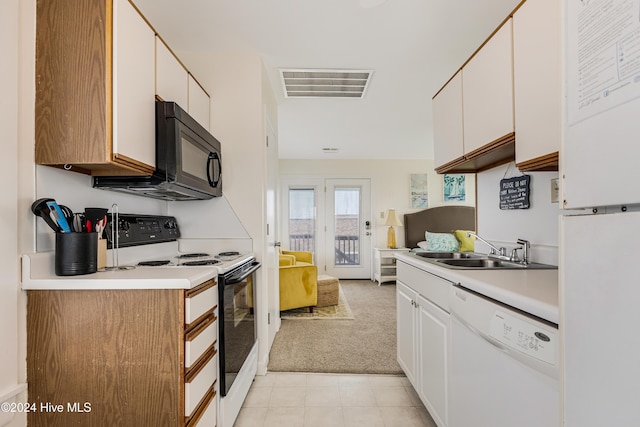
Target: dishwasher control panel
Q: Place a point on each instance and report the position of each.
(530, 338)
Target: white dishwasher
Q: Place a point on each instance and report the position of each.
(504, 365)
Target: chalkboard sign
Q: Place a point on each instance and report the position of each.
(514, 192)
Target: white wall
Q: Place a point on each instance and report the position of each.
(75, 191)
(390, 181)
(538, 224)
(234, 82)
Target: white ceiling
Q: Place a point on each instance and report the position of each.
(413, 46)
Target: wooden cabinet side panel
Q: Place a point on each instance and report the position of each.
(73, 83)
(120, 351)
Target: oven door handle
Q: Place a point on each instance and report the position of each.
(239, 277)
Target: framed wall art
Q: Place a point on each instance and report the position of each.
(454, 188)
(419, 191)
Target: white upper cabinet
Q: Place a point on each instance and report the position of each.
(134, 88)
(172, 79)
(174, 83)
(537, 43)
(447, 122)
(199, 104)
(487, 81)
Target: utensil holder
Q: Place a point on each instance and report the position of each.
(76, 253)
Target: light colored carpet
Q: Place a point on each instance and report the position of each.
(365, 345)
(332, 312)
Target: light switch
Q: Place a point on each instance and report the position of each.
(555, 191)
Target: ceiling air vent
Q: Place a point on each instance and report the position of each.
(301, 83)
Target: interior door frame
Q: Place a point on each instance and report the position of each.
(363, 270)
(317, 183)
(273, 239)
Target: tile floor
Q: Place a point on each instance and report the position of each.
(332, 400)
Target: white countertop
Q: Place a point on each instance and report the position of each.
(532, 291)
(38, 273)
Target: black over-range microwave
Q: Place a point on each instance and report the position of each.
(188, 161)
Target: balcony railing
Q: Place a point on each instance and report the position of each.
(302, 242)
(347, 248)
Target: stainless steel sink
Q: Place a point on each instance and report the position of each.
(489, 264)
(473, 263)
(446, 255)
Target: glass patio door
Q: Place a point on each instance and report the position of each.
(347, 228)
(302, 219)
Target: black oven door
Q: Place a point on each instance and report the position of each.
(237, 333)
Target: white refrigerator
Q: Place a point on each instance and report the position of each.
(600, 231)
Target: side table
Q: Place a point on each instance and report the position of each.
(385, 264)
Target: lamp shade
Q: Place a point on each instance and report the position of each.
(392, 218)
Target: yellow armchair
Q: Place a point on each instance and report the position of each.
(298, 280)
(300, 256)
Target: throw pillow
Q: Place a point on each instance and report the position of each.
(441, 242)
(422, 245)
(467, 244)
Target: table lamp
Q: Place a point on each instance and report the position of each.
(392, 219)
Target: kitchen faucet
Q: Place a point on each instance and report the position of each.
(525, 250)
(502, 252)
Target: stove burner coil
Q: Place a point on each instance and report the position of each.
(202, 262)
(157, 263)
(193, 255)
(230, 253)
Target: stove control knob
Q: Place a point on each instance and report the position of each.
(123, 225)
(171, 224)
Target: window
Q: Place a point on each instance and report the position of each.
(302, 219)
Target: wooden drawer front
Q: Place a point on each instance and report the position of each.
(195, 388)
(200, 300)
(430, 286)
(198, 341)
